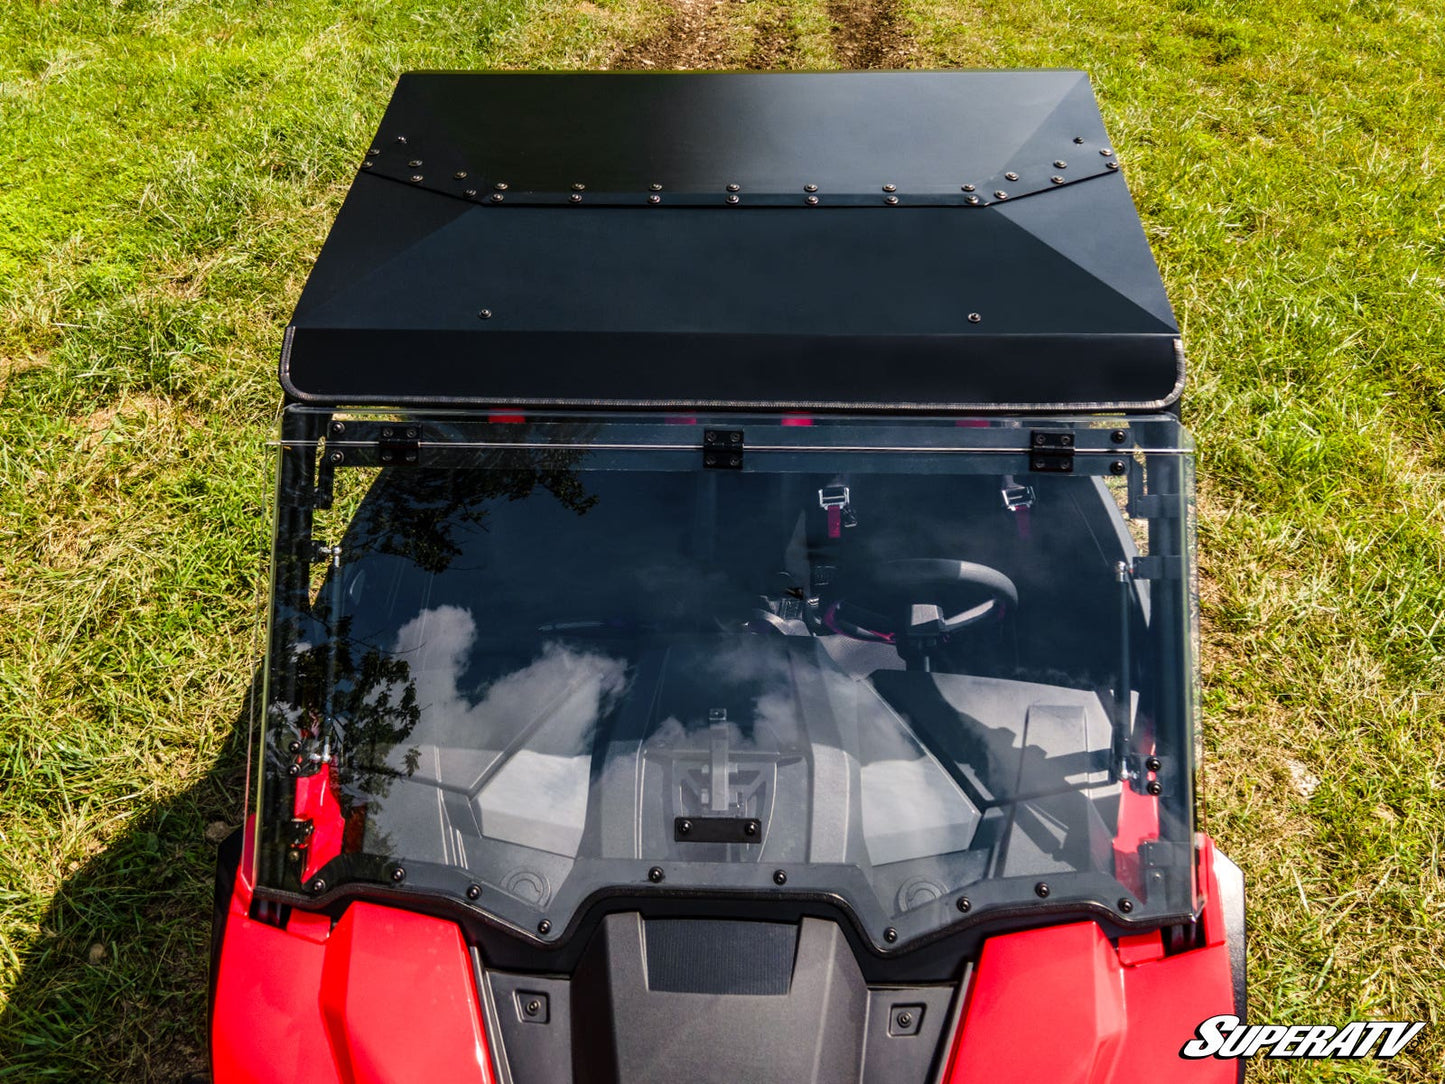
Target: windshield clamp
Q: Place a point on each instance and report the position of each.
(1158, 568)
(1051, 451)
(722, 449)
(1146, 773)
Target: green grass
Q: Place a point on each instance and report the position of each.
(169, 171)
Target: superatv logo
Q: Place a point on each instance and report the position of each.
(1223, 1037)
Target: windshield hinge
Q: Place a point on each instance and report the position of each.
(399, 444)
(1161, 567)
(1051, 451)
(722, 449)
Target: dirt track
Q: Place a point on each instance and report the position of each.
(869, 34)
(725, 34)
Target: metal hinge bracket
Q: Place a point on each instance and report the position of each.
(722, 449)
(1051, 451)
(400, 444)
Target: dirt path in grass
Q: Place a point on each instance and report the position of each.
(693, 35)
(735, 34)
(869, 34)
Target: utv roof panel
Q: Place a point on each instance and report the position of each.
(862, 241)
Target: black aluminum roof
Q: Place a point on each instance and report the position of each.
(873, 241)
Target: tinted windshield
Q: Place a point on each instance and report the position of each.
(549, 660)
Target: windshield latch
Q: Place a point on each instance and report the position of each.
(1017, 497)
(835, 501)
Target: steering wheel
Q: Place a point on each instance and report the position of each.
(921, 597)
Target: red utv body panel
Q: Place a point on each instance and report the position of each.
(387, 995)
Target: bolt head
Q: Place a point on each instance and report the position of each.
(750, 828)
(780, 877)
(733, 200)
(654, 199)
(1118, 436)
(1059, 163)
(579, 188)
(460, 175)
(964, 905)
(471, 193)
(398, 875)
(533, 1007)
(1126, 905)
(684, 828)
(892, 201)
(972, 200)
(890, 188)
(905, 1019)
(1041, 890)
(474, 891)
(497, 197)
(655, 187)
(1155, 788)
(1010, 176)
(367, 164)
(1078, 139)
(735, 188)
(484, 314)
(655, 875)
(810, 188)
(1117, 467)
(1056, 179)
(890, 935)
(414, 163)
(1000, 194)
(1153, 764)
(1112, 164)
(374, 151)
(500, 186)
(1106, 151)
(544, 927)
(811, 201)
(974, 318)
(575, 197)
(969, 188)
(318, 886)
(416, 178)
(401, 140)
